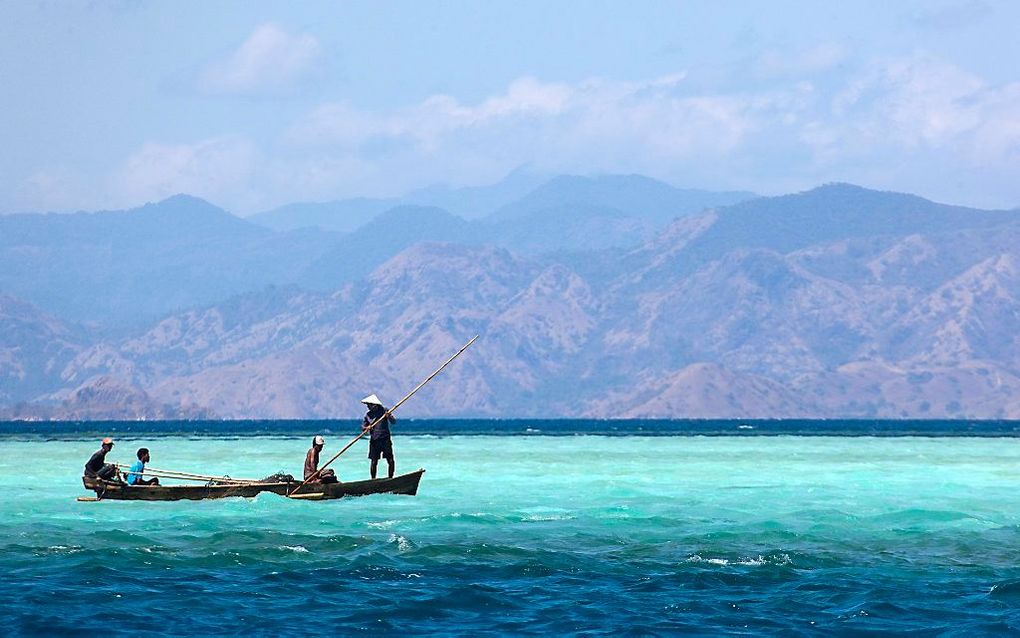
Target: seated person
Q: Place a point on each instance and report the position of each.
(97, 467)
(135, 474)
(312, 464)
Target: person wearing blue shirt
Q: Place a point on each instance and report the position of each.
(135, 474)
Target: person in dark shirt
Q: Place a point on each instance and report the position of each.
(97, 467)
(380, 443)
(312, 464)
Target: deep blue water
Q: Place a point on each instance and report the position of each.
(862, 527)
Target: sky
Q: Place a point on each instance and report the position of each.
(254, 104)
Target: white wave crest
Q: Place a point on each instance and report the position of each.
(757, 561)
(403, 544)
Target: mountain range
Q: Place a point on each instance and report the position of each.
(120, 269)
(616, 296)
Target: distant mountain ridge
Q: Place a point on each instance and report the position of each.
(34, 349)
(356, 254)
(835, 302)
(632, 195)
(472, 202)
(122, 268)
(514, 197)
(341, 216)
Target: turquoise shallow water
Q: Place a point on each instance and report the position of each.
(529, 534)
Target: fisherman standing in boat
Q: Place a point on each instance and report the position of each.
(97, 467)
(380, 443)
(311, 473)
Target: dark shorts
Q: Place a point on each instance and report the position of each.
(380, 447)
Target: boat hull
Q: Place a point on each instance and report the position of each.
(406, 484)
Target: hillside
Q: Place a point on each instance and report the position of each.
(836, 302)
(119, 268)
(470, 202)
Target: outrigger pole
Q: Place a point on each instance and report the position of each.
(385, 415)
(185, 475)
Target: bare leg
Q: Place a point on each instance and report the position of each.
(393, 465)
(375, 465)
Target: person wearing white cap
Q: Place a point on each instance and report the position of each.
(312, 464)
(380, 443)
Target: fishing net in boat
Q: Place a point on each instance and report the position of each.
(279, 477)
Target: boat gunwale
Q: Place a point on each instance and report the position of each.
(110, 490)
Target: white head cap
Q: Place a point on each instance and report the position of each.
(371, 400)
(318, 440)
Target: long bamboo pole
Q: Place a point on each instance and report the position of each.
(385, 415)
(204, 476)
(182, 475)
(218, 481)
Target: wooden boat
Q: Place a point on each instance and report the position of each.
(108, 490)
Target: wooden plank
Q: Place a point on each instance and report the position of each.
(311, 496)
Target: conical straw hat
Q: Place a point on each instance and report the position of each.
(371, 400)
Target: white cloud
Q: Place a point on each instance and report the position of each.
(221, 169)
(540, 118)
(859, 125)
(653, 126)
(270, 60)
(912, 124)
(921, 104)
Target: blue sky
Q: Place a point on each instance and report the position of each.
(255, 104)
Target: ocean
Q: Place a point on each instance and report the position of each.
(565, 528)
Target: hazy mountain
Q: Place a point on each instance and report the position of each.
(117, 269)
(308, 356)
(522, 195)
(102, 397)
(355, 255)
(836, 302)
(572, 213)
(890, 310)
(567, 228)
(474, 202)
(836, 212)
(339, 216)
(34, 349)
(470, 202)
(121, 267)
(632, 195)
(704, 389)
